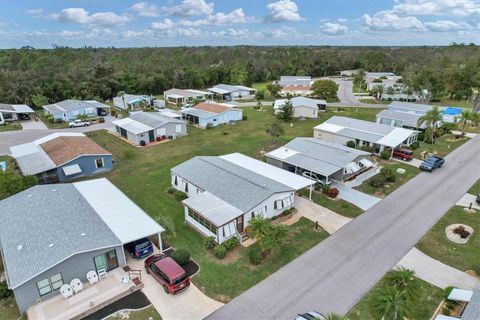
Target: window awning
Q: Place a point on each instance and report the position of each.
(366, 163)
(73, 169)
(352, 167)
(460, 295)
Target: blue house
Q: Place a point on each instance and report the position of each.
(68, 110)
(212, 114)
(61, 157)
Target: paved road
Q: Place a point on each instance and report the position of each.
(347, 98)
(334, 275)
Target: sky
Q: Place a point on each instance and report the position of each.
(162, 23)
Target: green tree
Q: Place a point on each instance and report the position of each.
(326, 89)
(39, 101)
(431, 120)
(404, 280)
(378, 90)
(273, 240)
(286, 111)
(389, 303)
(12, 183)
(274, 88)
(274, 130)
(465, 116)
(260, 227)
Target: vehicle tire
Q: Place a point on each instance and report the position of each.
(404, 159)
(147, 271)
(165, 288)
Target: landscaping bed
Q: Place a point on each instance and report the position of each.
(460, 256)
(50, 125)
(191, 267)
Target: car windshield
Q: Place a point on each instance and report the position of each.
(180, 279)
(409, 152)
(142, 245)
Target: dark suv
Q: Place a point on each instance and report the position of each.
(404, 154)
(140, 248)
(168, 273)
(432, 163)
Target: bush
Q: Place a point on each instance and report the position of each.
(58, 121)
(317, 186)
(254, 255)
(333, 192)
(113, 112)
(447, 291)
(415, 145)
(421, 136)
(385, 155)
(325, 188)
(180, 196)
(209, 125)
(377, 181)
(351, 144)
(158, 138)
(220, 251)
(461, 231)
(101, 120)
(287, 212)
(446, 311)
(181, 256)
(4, 291)
(244, 118)
(171, 190)
(231, 243)
(209, 243)
(451, 304)
(388, 172)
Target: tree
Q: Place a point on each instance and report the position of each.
(465, 116)
(286, 111)
(274, 130)
(404, 279)
(378, 90)
(389, 303)
(12, 183)
(260, 95)
(259, 227)
(39, 101)
(274, 88)
(475, 118)
(122, 94)
(431, 119)
(326, 89)
(273, 240)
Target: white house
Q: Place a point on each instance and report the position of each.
(229, 92)
(212, 114)
(181, 96)
(70, 109)
(225, 192)
(10, 112)
(295, 85)
(131, 102)
(364, 134)
(302, 106)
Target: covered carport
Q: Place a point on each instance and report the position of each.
(12, 112)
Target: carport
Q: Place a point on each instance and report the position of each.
(10, 112)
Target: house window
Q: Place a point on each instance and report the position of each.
(201, 220)
(175, 182)
(99, 163)
(186, 187)
(253, 215)
(178, 128)
(49, 284)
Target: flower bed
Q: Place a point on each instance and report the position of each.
(459, 233)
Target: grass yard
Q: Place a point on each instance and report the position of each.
(40, 114)
(454, 103)
(410, 172)
(461, 256)
(10, 126)
(475, 189)
(423, 308)
(470, 128)
(336, 205)
(441, 148)
(372, 101)
(9, 309)
(148, 313)
(262, 86)
(144, 175)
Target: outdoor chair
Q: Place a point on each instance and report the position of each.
(102, 273)
(66, 291)
(125, 280)
(76, 285)
(92, 277)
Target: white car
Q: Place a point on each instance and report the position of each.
(78, 123)
(314, 177)
(312, 315)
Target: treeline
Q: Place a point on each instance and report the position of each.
(49, 75)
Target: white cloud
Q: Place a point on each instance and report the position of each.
(83, 17)
(35, 12)
(68, 34)
(146, 9)
(190, 8)
(219, 19)
(446, 25)
(283, 10)
(169, 28)
(437, 7)
(387, 20)
(166, 24)
(333, 29)
(242, 33)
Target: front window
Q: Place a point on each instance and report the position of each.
(200, 219)
(48, 285)
(99, 163)
(44, 287)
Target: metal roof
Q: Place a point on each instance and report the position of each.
(410, 106)
(300, 102)
(238, 186)
(180, 93)
(410, 119)
(199, 113)
(72, 105)
(295, 81)
(460, 295)
(226, 88)
(15, 108)
(132, 126)
(472, 310)
(43, 226)
(154, 119)
(213, 208)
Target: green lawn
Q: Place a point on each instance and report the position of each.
(410, 172)
(470, 128)
(263, 86)
(461, 256)
(145, 314)
(10, 126)
(441, 148)
(9, 309)
(336, 205)
(423, 308)
(454, 103)
(372, 101)
(475, 189)
(144, 175)
(40, 114)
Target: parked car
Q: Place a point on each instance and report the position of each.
(102, 112)
(24, 116)
(404, 154)
(78, 123)
(140, 248)
(432, 163)
(315, 177)
(312, 315)
(168, 273)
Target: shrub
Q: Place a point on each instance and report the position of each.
(447, 291)
(415, 145)
(451, 304)
(225, 133)
(209, 125)
(171, 190)
(179, 195)
(377, 181)
(288, 211)
(220, 251)
(231, 243)
(244, 118)
(421, 136)
(113, 112)
(333, 193)
(446, 311)
(351, 144)
(209, 243)
(385, 155)
(4, 291)
(50, 119)
(181, 256)
(461, 231)
(317, 186)
(367, 148)
(158, 139)
(388, 173)
(58, 121)
(101, 120)
(254, 255)
(325, 188)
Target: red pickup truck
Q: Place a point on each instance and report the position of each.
(404, 154)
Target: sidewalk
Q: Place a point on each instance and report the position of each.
(467, 134)
(414, 162)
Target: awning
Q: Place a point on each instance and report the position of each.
(460, 295)
(366, 163)
(352, 167)
(73, 169)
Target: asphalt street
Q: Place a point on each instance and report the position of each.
(334, 275)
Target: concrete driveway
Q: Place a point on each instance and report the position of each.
(362, 200)
(189, 304)
(468, 199)
(33, 125)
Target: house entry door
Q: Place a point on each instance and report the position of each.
(240, 224)
(107, 261)
(151, 136)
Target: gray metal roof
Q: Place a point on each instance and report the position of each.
(472, 311)
(240, 187)
(295, 81)
(43, 226)
(226, 88)
(362, 135)
(199, 113)
(153, 119)
(72, 105)
(362, 125)
(300, 102)
(410, 119)
(410, 106)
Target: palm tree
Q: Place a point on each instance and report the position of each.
(379, 89)
(389, 303)
(273, 240)
(404, 280)
(464, 117)
(431, 119)
(475, 118)
(259, 227)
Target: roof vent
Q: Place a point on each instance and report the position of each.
(50, 245)
(20, 247)
(29, 196)
(54, 190)
(83, 234)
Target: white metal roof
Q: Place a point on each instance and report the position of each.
(132, 126)
(57, 135)
(213, 208)
(282, 176)
(19, 108)
(126, 220)
(31, 158)
(460, 295)
(396, 137)
(329, 127)
(72, 169)
(283, 153)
